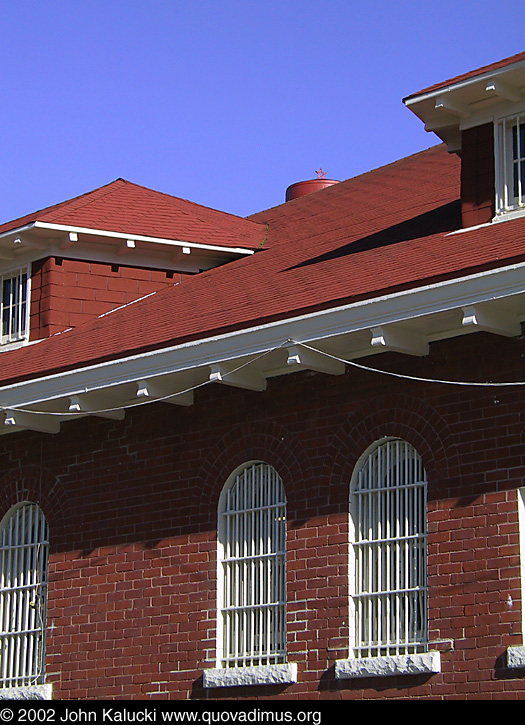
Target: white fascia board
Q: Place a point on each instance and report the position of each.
(141, 238)
(310, 328)
(17, 231)
(466, 82)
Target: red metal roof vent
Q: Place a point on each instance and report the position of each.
(302, 188)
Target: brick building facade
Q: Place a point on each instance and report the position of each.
(226, 509)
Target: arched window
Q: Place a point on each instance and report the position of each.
(24, 548)
(389, 540)
(252, 569)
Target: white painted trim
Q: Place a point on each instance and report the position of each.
(285, 674)
(17, 231)
(464, 83)
(31, 692)
(521, 528)
(139, 238)
(308, 328)
(416, 664)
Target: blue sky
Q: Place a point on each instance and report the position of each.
(224, 102)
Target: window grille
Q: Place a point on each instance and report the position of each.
(252, 574)
(510, 167)
(15, 306)
(24, 550)
(388, 514)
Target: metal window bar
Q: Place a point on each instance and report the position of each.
(389, 513)
(253, 566)
(24, 548)
(15, 306)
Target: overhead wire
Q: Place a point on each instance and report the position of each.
(285, 343)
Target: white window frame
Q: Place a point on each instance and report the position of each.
(14, 314)
(388, 610)
(24, 552)
(251, 577)
(516, 653)
(510, 168)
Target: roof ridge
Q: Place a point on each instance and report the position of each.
(335, 187)
(78, 202)
(189, 201)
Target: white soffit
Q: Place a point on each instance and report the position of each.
(492, 301)
(469, 102)
(40, 239)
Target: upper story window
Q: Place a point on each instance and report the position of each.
(510, 163)
(15, 306)
(389, 540)
(252, 569)
(24, 545)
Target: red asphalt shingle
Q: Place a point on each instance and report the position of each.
(381, 232)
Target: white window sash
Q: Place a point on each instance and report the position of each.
(509, 164)
(15, 305)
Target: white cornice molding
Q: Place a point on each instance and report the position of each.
(471, 81)
(42, 239)
(314, 328)
(127, 237)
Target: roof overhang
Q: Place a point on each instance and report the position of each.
(407, 322)
(38, 239)
(472, 101)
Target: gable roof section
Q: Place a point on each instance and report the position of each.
(128, 208)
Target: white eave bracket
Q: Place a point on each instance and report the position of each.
(93, 404)
(157, 390)
(244, 378)
(444, 103)
(306, 359)
(24, 420)
(489, 320)
(393, 338)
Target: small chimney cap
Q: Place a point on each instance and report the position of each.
(302, 188)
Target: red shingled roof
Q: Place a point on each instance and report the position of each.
(470, 74)
(131, 209)
(381, 232)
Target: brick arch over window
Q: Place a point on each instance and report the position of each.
(268, 442)
(36, 485)
(396, 416)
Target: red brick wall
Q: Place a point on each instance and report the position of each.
(477, 175)
(132, 507)
(65, 293)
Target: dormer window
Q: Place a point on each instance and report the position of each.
(510, 164)
(15, 306)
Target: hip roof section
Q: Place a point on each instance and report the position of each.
(127, 208)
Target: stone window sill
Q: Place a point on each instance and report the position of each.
(242, 676)
(516, 657)
(416, 664)
(31, 692)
